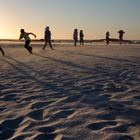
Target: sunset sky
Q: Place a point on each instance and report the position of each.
(95, 17)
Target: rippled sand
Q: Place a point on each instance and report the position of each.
(83, 93)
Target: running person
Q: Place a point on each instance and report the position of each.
(25, 35)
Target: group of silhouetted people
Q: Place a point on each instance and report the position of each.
(25, 35)
(75, 37)
(81, 37)
(47, 38)
(120, 32)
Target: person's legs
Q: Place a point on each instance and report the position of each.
(120, 41)
(50, 45)
(75, 43)
(45, 45)
(27, 46)
(82, 42)
(108, 41)
(30, 48)
(2, 51)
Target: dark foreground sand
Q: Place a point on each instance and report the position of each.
(84, 93)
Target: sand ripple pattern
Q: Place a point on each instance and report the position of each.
(89, 93)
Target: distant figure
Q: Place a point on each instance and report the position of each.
(47, 38)
(2, 51)
(121, 33)
(75, 37)
(107, 38)
(25, 35)
(81, 35)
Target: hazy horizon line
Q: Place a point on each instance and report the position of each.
(96, 39)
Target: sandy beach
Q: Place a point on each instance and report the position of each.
(89, 92)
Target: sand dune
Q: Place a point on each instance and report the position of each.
(83, 93)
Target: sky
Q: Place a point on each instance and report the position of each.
(94, 17)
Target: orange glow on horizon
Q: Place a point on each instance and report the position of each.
(3, 35)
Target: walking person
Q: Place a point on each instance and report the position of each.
(75, 37)
(47, 38)
(107, 38)
(81, 35)
(2, 51)
(121, 33)
(25, 35)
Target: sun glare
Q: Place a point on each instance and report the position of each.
(3, 35)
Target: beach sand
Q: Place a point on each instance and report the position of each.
(91, 92)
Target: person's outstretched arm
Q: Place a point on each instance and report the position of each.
(33, 34)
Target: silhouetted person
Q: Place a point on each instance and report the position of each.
(2, 51)
(107, 38)
(47, 38)
(121, 33)
(81, 35)
(25, 35)
(75, 37)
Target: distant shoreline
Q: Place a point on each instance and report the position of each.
(71, 41)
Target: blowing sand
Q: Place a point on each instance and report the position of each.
(83, 93)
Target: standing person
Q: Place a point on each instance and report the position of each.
(75, 37)
(107, 38)
(2, 51)
(81, 35)
(121, 33)
(25, 35)
(47, 38)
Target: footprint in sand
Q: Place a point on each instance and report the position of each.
(45, 137)
(109, 116)
(46, 133)
(30, 98)
(137, 97)
(113, 88)
(40, 105)
(62, 114)
(100, 125)
(126, 138)
(12, 97)
(47, 129)
(2, 87)
(123, 128)
(6, 134)
(7, 127)
(21, 137)
(72, 98)
(12, 123)
(36, 114)
(101, 106)
(2, 108)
